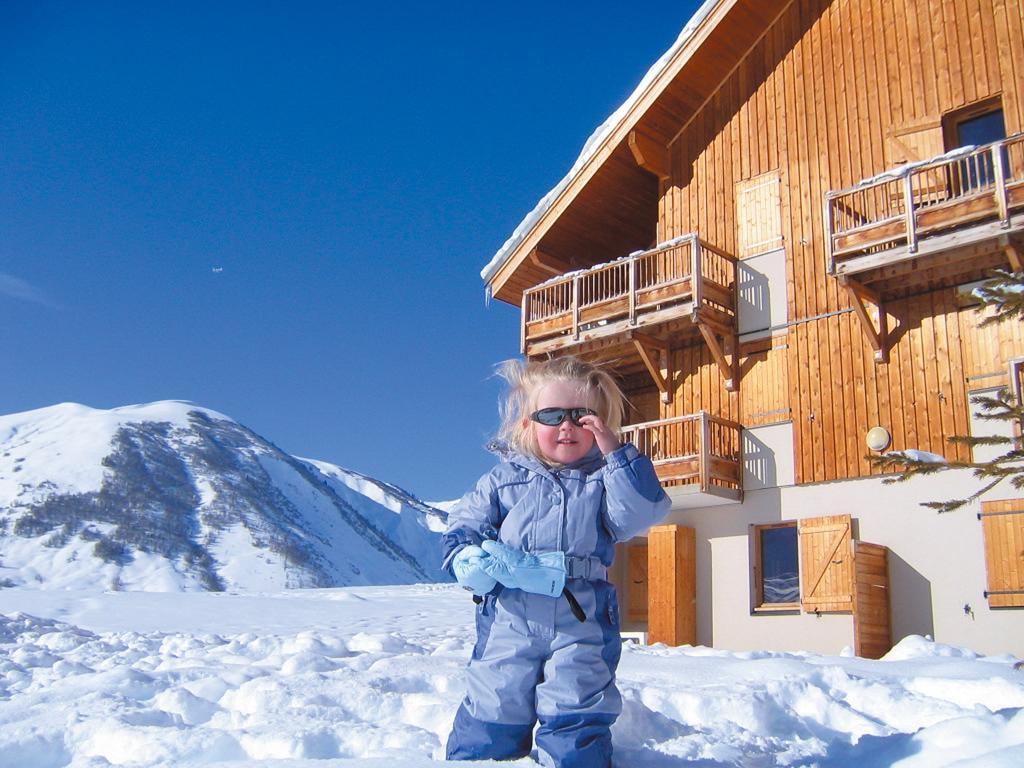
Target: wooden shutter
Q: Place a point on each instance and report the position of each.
(872, 628)
(826, 563)
(1002, 524)
(1017, 388)
(671, 585)
(636, 574)
(759, 214)
(913, 143)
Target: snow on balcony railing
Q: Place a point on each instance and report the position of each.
(697, 449)
(967, 186)
(683, 269)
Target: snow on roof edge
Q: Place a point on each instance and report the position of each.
(591, 145)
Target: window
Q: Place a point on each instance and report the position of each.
(776, 566)
(975, 125)
(807, 564)
(981, 129)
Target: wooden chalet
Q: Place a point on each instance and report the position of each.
(775, 248)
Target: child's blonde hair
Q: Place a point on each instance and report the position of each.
(526, 379)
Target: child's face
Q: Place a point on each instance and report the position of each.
(565, 443)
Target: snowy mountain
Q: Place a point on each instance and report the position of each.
(169, 496)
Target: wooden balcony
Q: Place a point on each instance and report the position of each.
(930, 218)
(685, 286)
(699, 458)
(925, 226)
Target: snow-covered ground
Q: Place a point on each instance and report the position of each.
(371, 676)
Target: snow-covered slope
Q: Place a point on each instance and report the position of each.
(170, 496)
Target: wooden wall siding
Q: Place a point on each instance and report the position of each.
(818, 99)
(698, 385)
(920, 395)
(990, 352)
(764, 382)
(763, 397)
(642, 405)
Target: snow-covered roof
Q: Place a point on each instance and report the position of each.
(596, 140)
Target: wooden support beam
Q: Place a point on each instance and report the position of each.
(730, 370)
(650, 154)
(702, 319)
(1014, 254)
(878, 338)
(671, 585)
(549, 263)
(860, 289)
(654, 353)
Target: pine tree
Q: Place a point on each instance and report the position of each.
(1004, 294)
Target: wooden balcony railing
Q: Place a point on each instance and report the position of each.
(906, 208)
(646, 288)
(699, 449)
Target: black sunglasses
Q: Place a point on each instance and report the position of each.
(552, 417)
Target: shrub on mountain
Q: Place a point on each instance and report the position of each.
(110, 551)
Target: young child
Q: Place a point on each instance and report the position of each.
(535, 539)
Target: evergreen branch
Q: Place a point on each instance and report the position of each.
(1003, 294)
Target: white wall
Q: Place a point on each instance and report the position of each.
(762, 294)
(768, 456)
(936, 563)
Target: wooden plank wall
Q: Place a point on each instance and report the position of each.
(764, 373)
(817, 98)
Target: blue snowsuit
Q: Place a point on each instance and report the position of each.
(533, 659)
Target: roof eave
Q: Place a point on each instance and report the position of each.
(501, 274)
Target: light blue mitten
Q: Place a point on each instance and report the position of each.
(542, 574)
(466, 565)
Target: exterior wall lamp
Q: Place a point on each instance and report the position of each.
(878, 439)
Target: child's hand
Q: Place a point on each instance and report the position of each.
(469, 572)
(607, 440)
(542, 573)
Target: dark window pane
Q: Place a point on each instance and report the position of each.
(780, 573)
(975, 173)
(981, 129)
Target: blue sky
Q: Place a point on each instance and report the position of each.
(280, 210)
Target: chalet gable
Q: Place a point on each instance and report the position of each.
(607, 205)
